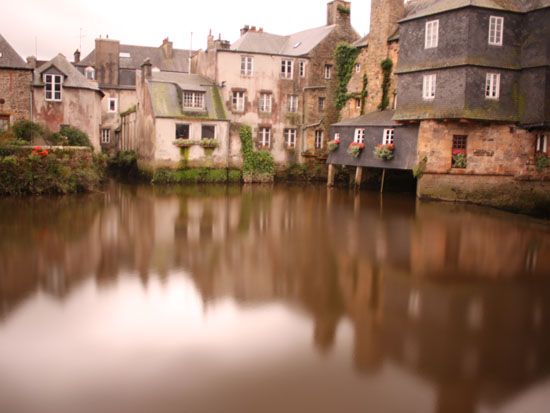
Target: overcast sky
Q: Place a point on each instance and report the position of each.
(56, 24)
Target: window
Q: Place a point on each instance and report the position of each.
(302, 69)
(388, 136)
(124, 55)
(266, 102)
(4, 123)
(496, 26)
(292, 103)
(247, 65)
(287, 69)
(290, 138)
(492, 86)
(359, 136)
(53, 87)
(428, 87)
(193, 100)
(89, 72)
(238, 101)
(328, 71)
(357, 68)
(541, 144)
(208, 132)
(113, 105)
(265, 137)
(105, 136)
(432, 34)
(460, 143)
(321, 103)
(357, 103)
(319, 139)
(182, 131)
(336, 136)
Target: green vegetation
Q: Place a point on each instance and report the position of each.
(303, 173)
(258, 166)
(541, 162)
(364, 93)
(460, 160)
(124, 165)
(74, 136)
(196, 176)
(131, 109)
(344, 10)
(345, 56)
(218, 104)
(387, 66)
(24, 132)
(420, 167)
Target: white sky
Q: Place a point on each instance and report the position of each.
(56, 24)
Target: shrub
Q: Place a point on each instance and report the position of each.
(541, 162)
(25, 130)
(384, 152)
(75, 137)
(258, 166)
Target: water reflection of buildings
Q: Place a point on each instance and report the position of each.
(456, 296)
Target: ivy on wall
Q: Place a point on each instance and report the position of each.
(258, 166)
(345, 56)
(364, 93)
(387, 66)
(344, 10)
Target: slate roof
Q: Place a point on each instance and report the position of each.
(362, 42)
(422, 8)
(166, 90)
(297, 44)
(73, 78)
(178, 63)
(378, 118)
(9, 58)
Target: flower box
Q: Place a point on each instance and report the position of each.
(384, 152)
(209, 143)
(333, 145)
(355, 149)
(184, 143)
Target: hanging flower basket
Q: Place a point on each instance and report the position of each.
(333, 145)
(384, 152)
(355, 149)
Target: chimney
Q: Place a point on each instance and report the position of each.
(210, 41)
(339, 13)
(31, 61)
(146, 70)
(77, 56)
(245, 29)
(168, 48)
(107, 55)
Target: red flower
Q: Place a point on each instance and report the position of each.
(391, 147)
(37, 148)
(43, 153)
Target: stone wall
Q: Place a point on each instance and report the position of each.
(15, 91)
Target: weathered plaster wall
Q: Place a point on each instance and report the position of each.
(15, 90)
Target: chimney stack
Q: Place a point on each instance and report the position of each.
(146, 70)
(31, 61)
(339, 13)
(168, 48)
(77, 56)
(245, 29)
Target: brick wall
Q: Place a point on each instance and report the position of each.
(15, 90)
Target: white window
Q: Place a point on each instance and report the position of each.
(290, 138)
(321, 103)
(428, 87)
(287, 69)
(302, 69)
(193, 100)
(265, 102)
(359, 136)
(89, 72)
(113, 105)
(105, 136)
(247, 65)
(432, 34)
(238, 101)
(357, 68)
(328, 71)
(53, 87)
(293, 103)
(336, 136)
(265, 137)
(542, 144)
(496, 29)
(319, 134)
(388, 136)
(492, 86)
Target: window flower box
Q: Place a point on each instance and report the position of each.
(384, 151)
(355, 149)
(184, 143)
(333, 145)
(209, 143)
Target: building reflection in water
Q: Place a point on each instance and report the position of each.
(454, 295)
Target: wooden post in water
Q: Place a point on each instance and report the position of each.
(358, 177)
(331, 173)
(383, 179)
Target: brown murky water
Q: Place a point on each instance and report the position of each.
(254, 300)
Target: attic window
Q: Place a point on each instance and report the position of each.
(297, 45)
(90, 73)
(193, 100)
(124, 54)
(52, 87)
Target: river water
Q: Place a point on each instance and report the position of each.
(275, 300)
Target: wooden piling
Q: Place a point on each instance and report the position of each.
(358, 177)
(383, 179)
(331, 173)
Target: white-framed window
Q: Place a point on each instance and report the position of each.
(266, 100)
(302, 69)
(328, 71)
(105, 136)
(492, 86)
(4, 122)
(247, 65)
(432, 34)
(52, 87)
(265, 137)
(336, 136)
(387, 139)
(238, 101)
(319, 135)
(359, 136)
(357, 103)
(290, 137)
(321, 103)
(193, 99)
(541, 144)
(112, 105)
(496, 30)
(428, 87)
(293, 103)
(287, 69)
(357, 68)
(89, 72)
(182, 130)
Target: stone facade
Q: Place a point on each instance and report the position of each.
(15, 94)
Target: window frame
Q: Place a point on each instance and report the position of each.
(89, 73)
(197, 99)
(293, 104)
(287, 69)
(359, 135)
(321, 103)
(109, 101)
(429, 86)
(496, 33)
(319, 139)
(541, 144)
(247, 66)
(50, 87)
(459, 146)
(388, 137)
(264, 137)
(358, 68)
(492, 86)
(214, 129)
(188, 131)
(265, 103)
(328, 71)
(431, 34)
(6, 120)
(105, 136)
(302, 69)
(290, 135)
(238, 100)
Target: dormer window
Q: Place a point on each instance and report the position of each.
(52, 87)
(193, 100)
(496, 26)
(432, 34)
(89, 72)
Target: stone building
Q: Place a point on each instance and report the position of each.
(279, 85)
(180, 118)
(15, 86)
(113, 66)
(63, 96)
